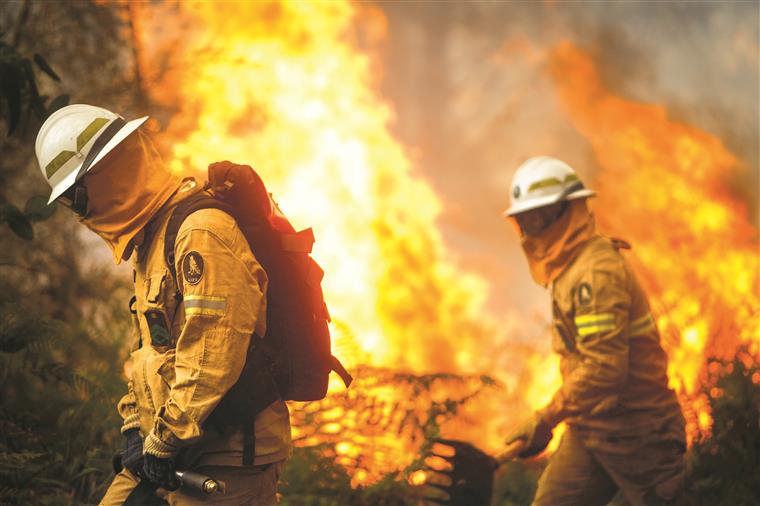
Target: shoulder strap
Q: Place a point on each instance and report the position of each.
(181, 211)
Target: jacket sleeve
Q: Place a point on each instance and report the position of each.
(602, 303)
(127, 406)
(223, 297)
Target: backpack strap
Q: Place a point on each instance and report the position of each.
(185, 208)
(341, 371)
(181, 211)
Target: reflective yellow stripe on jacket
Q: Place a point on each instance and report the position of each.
(205, 305)
(604, 322)
(641, 326)
(588, 324)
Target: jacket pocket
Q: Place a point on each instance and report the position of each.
(152, 377)
(155, 325)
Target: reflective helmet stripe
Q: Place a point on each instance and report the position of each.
(552, 181)
(90, 131)
(82, 139)
(58, 162)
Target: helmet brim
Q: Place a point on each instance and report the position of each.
(68, 181)
(545, 201)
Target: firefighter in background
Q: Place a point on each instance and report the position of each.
(625, 427)
(191, 339)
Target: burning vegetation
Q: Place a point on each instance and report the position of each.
(694, 245)
(284, 87)
(289, 88)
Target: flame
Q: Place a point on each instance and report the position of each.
(283, 86)
(290, 88)
(694, 245)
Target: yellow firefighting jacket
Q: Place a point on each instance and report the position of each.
(189, 353)
(613, 366)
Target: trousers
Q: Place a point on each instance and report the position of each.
(250, 486)
(649, 471)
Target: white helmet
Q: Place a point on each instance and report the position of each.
(542, 181)
(75, 138)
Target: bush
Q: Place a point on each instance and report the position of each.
(725, 467)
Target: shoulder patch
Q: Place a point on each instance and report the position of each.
(192, 267)
(584, 294)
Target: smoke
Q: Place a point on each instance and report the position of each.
(473, 98)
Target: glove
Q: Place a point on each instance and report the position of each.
(160, 471)
(132, 456)
(536, 433)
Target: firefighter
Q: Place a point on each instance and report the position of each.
(190, 337)
(625, 429)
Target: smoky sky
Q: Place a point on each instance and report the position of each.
(472, 101)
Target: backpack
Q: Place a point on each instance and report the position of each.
(293, 360)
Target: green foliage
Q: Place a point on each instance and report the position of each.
(20, 222)
(37, 208)
(57, 418)
(19, 89)
(62, 330)
(311, 478)
(18, 85)
(725, 467)
(412, 417)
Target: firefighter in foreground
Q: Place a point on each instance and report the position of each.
(192, 335)
(625, 427)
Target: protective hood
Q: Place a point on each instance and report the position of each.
(551, 252)
(125, 190)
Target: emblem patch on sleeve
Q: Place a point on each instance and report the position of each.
(192, 267)
(584, 294)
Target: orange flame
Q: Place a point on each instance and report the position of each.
(283, 86)
(664, 185)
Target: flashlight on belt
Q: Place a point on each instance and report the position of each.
(200, 482)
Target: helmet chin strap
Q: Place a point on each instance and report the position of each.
(99, 144)
(570, 189)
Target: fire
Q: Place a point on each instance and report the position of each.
(285, 87)
(694, 245)
(282, 87)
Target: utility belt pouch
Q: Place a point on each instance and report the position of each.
(158, 328)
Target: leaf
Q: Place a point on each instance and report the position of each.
(84, 472)
(26, 67)
(37, 208)
(7, 211)
(12, 342)
(12, 84)
(43, 65)
(17, 221)
(57, 103)
(36, 103)
(21, 226)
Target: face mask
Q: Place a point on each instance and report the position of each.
(125, 190)
(555, 247)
